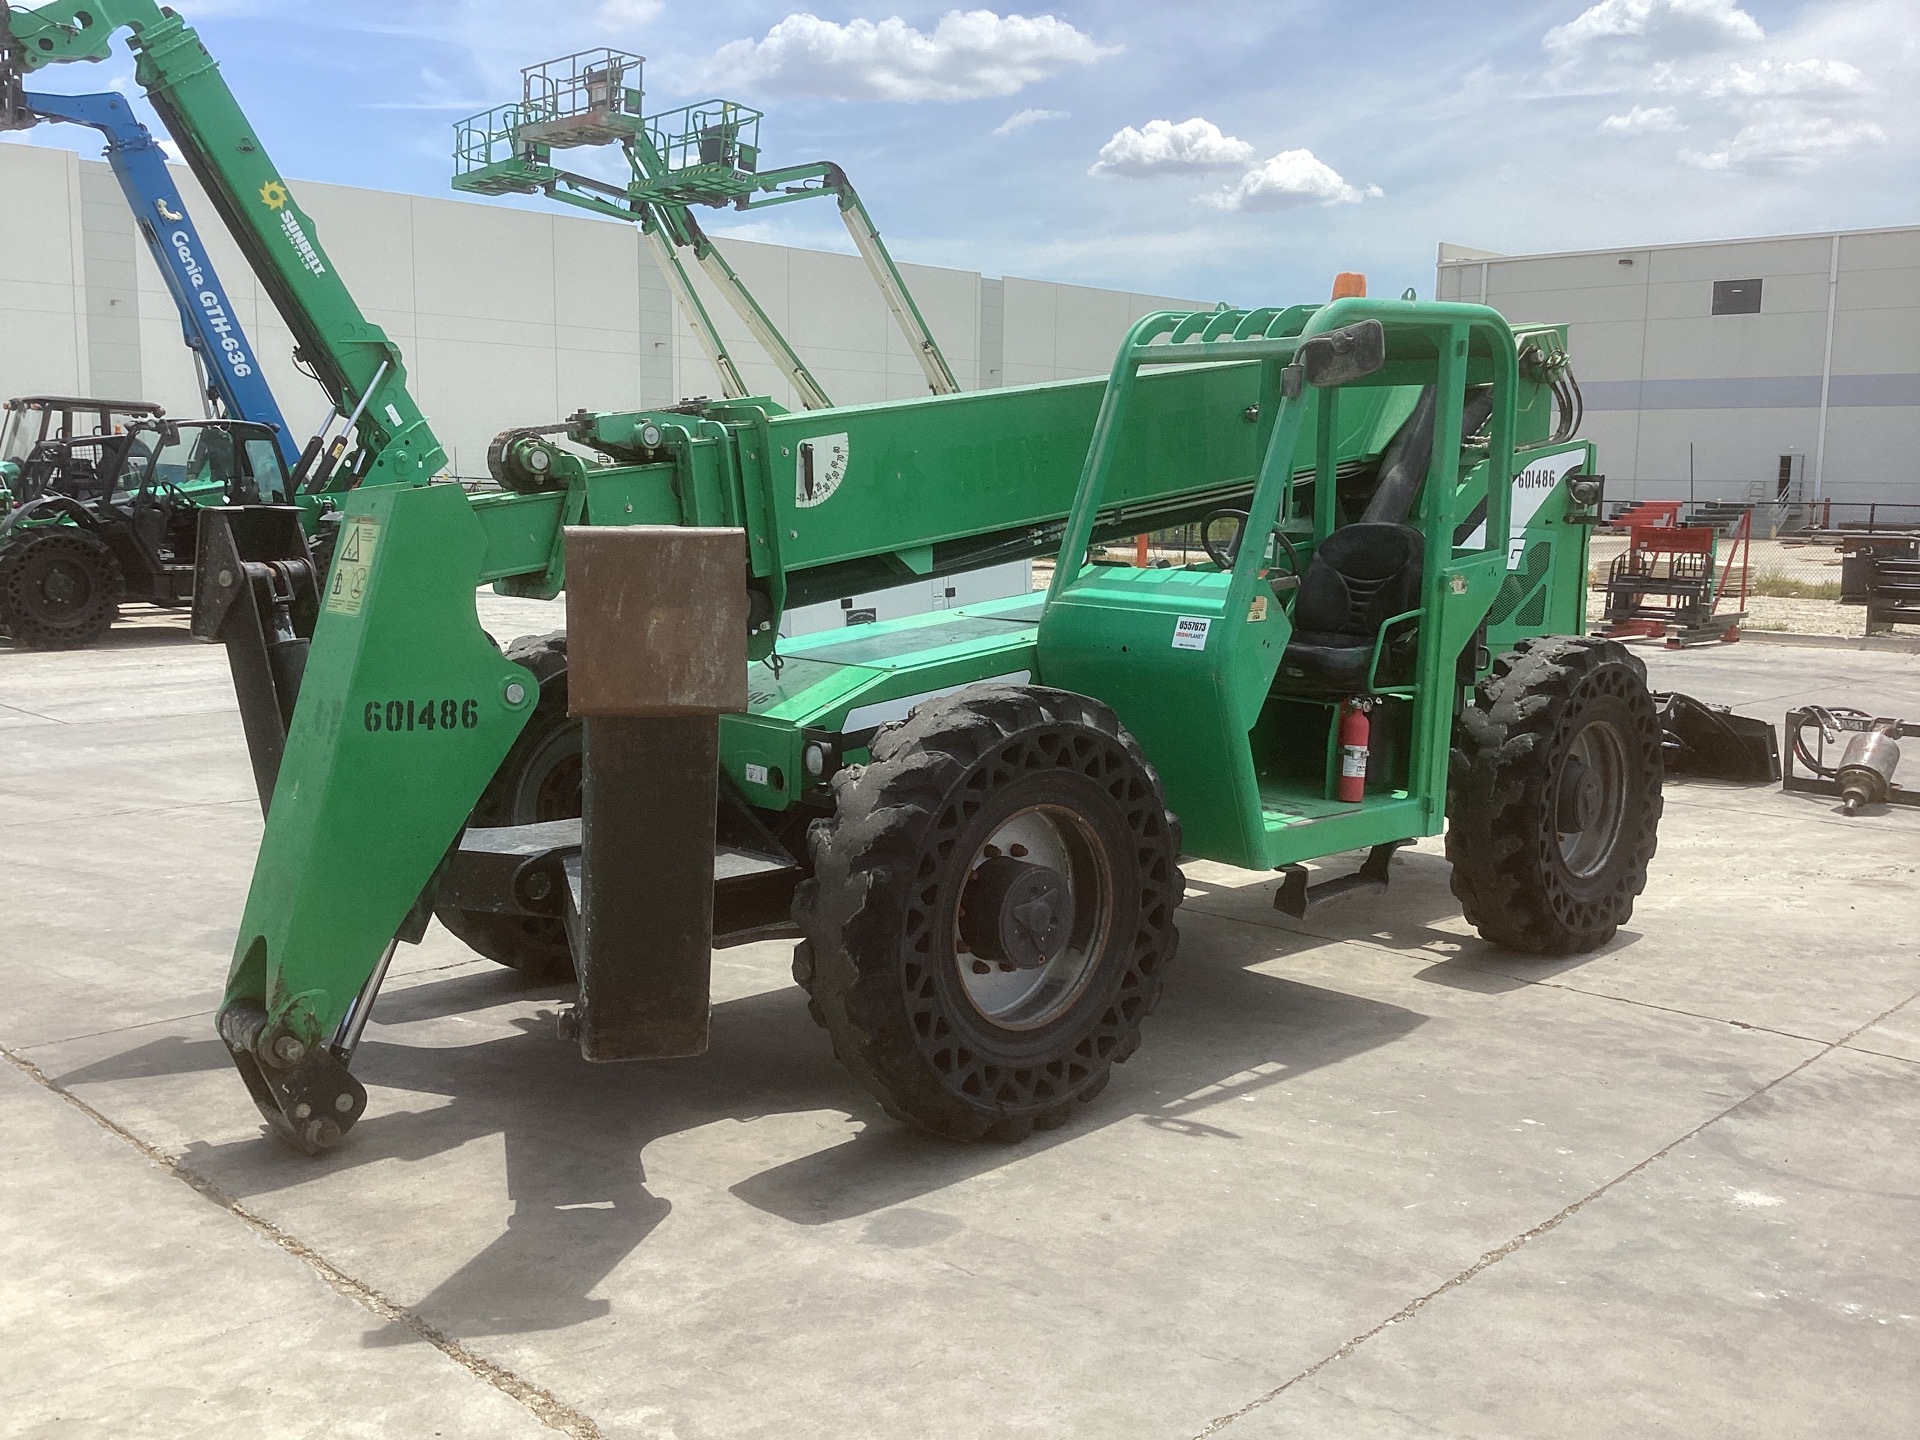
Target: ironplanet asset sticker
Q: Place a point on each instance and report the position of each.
(352, 563)
(1190, 632)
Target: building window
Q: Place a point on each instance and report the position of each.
(1736, 297)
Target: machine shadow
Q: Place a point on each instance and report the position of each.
(1404, 918)
(575, 1134)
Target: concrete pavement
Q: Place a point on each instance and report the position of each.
(1366, 1177)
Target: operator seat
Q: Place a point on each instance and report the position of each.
(1365, 573)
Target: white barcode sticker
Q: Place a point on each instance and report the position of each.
(1190, 632)
(756, 774)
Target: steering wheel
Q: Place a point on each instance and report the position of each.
(1225, 552)
(163, 493)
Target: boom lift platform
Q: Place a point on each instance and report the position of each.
(971, 819)
(702, 154)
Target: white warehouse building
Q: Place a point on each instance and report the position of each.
(506, 316)
(1746, 371)
(509, 316)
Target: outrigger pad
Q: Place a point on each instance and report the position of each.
(310, 1105)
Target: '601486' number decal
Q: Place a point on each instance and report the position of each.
(421, 715)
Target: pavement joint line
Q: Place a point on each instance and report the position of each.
(1553, 1222)
(196, 1014)
(1883, 1054)
(1832, 818)
(1546, 984)
(22, 710)
(541, 1403)
(1689, 1014)
(110, 1030)
(138, 810)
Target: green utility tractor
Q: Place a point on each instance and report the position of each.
(104, 515)
(971, 821)
(30, 419)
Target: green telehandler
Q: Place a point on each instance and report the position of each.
(971, 821)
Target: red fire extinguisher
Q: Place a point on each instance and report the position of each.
(1354, 731)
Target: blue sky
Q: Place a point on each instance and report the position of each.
(1233, 151)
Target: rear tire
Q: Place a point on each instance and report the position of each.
(1555, 799)
(59, 589)
(539, 780)
(991, 916)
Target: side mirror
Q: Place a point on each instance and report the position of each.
(1340, 357)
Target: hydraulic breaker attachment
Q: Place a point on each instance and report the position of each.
(1297, 898)
(255, 590)
(657, 630)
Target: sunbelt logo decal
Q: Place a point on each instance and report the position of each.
(274, 196)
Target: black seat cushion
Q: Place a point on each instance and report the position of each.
(1361, 577)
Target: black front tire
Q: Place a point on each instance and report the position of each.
(1554, 803)
(59, 589)
(539, 780)
(942, 1038)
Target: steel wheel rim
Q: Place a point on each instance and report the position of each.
(62, 592)
(1059, 838)
(549, 787)
(1600, 748)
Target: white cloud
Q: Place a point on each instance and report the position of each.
(1665, 27)
(968, 55)
(1022, 119)
(625, 14)
(1291, 178)
(1787, 139)
(1642, 119)
(1808, 78)
(1161, 147)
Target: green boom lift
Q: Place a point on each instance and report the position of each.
(706, 153)
(972, 820)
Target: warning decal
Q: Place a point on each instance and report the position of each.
(352, 564)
